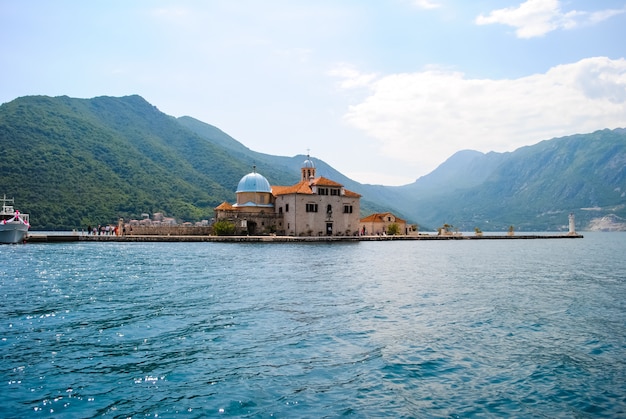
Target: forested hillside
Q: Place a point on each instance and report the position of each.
(74, 162)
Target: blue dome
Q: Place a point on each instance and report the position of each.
(253, 182)
(308, 164)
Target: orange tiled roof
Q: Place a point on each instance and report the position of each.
(380, 218)
(322, 181)
(351, 194)
(225, 206)
(371, 218)
(304, 187)
(301, 187)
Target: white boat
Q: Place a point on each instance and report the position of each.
(13, 224)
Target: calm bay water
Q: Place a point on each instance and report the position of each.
(506, 328)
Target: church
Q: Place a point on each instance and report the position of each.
(314, 206)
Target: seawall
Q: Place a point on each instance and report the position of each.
(57, 238)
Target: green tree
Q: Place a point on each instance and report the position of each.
(224, 228)
(393, 229)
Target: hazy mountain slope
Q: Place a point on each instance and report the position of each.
(535, 187)
(463, 169)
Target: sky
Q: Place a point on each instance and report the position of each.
(382, 90)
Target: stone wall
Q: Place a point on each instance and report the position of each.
(168, 231)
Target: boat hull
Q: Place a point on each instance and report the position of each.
(11, 233)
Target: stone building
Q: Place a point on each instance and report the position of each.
(254, 212)
(313, 206)
(379, 224)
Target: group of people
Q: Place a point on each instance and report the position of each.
(101, 230)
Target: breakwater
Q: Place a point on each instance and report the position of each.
(55, 238)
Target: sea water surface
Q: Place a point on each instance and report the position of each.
(406, 329)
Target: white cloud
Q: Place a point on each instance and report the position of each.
(535, 18)
(351, 77)
(423, 118)
(426, 4)
(604, 14)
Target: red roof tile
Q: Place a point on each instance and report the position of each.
(304, 187)
(380, 218)
(322, 181)
(224, 206)
(301, 187)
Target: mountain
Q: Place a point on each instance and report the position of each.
(73, 162)
(279, 170)
(464, 169)
(77, 162)
(532, 188)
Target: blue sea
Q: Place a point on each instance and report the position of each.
(400, 329)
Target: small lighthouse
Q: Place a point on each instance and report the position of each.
(572, 228)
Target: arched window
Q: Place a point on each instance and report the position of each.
(329, 209)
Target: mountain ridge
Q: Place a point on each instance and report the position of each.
(89, 161)
(549, 180)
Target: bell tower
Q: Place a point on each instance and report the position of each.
(308, 169)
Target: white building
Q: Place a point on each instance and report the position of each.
(313, 206)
